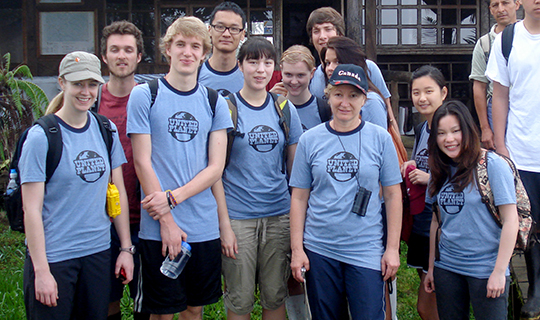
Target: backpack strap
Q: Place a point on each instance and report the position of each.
(485, 44)
(507, 39)
(437, 214)
(324, 109)
(106, 133)
(283, 110)
(484, 187)
(49, 123)
(153, 85)
(95, 107)
(212, 99)
(418, 133)
(233, 109)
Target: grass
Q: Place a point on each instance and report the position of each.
(12, 254)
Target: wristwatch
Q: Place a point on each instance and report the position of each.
(130, 249)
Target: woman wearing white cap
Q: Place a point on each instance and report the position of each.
(66, 273)
(337, 229)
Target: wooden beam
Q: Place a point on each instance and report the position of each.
(354, 20)
(371, 30)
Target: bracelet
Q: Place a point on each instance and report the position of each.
(170, 199)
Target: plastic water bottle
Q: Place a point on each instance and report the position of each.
(173, 268)
(12, 185)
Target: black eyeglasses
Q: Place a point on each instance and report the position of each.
(232, 30)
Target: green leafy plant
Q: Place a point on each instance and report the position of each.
(21, 101)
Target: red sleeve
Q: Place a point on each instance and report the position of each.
(276, 77)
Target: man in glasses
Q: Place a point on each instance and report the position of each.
(227, 30)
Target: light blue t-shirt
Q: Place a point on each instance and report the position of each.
(470, 237)
(318, 83)
(223, 82)
(374, 110)
(179, 124)
(309, 113)
(74, 217)
(328, 163)
(255, 186)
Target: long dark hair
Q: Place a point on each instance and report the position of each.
(348, 52)
(467, 160)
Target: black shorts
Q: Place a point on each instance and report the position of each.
(199, 283)
(117, 288)
(418, 254)
(83, 288)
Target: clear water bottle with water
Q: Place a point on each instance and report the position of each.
(12, 185)
(173, 268)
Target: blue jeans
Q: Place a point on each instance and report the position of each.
(456, 292)
(330, 283)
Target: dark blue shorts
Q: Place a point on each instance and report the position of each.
(199, 283)
(330, 282)
(83, 288)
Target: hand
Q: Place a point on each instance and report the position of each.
(502, 150)
(299, 260)
(171, 237)
(418, 176)
(229, 246)
(487, 138)
(389, 263)
(156, 204)
(46, 288)
(279, 88)
(124, 261)
(496, 284)
(429, 283)
(405, 165)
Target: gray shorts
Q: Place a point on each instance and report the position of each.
(264, 258)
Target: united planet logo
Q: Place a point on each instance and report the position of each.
(452, 202)
(89, 166)
(342, 166)
(422, 160)
(183, 126)
(263, 138)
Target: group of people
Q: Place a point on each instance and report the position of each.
(300, 180)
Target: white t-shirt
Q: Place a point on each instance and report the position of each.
(522, 76)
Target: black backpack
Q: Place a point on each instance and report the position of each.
(324, 109)
(49, 123)
(506, 41)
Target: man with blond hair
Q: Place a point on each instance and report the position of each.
(179, 143)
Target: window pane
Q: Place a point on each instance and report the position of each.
(145, 22)
(261, 22)
(389, 17)
(448, 2)
(203, 13)
(460, 72)
(468, 36)
(257, 3)
(12, 40)
(409, 36)
(169, 15)
(468, 2)
(409, 2)
(149, 46)
(449, 17)
(429, 16)
(448, 36)
(468, 16)
(389, 36)
(409, 16)
(142, 5)
(429, 36)
(389, 2)
(116, 16)
(117, 5)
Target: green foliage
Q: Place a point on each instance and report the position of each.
(21, 101)
(12, 254)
